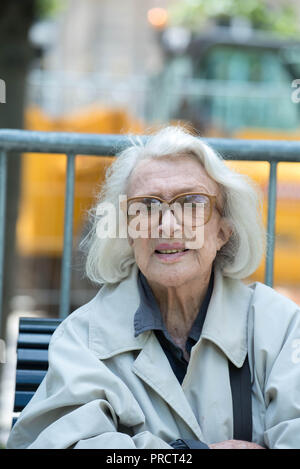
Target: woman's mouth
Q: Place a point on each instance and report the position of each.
(170, 255)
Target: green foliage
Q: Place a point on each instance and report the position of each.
(281, 18)
(49, 8)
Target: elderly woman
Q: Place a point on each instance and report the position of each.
(175, 351)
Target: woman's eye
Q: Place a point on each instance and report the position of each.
(195, 200)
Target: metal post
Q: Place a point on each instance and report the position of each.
(64, 306)
(3, 174)
(269, 273)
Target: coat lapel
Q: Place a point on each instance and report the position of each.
(227, 317)
(152, 366)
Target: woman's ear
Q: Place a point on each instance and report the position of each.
(225, 231)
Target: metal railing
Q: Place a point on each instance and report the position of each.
(72, 144)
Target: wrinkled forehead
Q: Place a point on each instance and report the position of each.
(170, 175)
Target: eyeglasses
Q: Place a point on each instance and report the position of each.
(192, 208)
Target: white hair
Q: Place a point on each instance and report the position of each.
(109, 260)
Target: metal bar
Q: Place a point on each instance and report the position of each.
(269, 273)
(62, 142)
(64, 306)
(109, 145)
(3, 175)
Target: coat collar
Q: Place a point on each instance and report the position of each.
(111, 329)
(226, 322)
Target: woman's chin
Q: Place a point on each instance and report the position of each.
(169, 276)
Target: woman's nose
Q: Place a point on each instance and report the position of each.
(168, 226)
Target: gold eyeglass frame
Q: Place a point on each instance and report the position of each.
(212, 200)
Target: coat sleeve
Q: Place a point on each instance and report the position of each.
(281, 387)
(80, 403)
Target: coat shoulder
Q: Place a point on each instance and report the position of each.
(78, 321)
(263, 292)
(271, 305)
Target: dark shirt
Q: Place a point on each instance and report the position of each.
(148, 317)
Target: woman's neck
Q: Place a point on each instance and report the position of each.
(180, 305)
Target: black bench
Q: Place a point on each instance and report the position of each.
(32, 357)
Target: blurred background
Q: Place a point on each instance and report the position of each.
(222, 67)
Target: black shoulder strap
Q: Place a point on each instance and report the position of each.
(240, 381)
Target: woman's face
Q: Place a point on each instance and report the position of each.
(166, 177)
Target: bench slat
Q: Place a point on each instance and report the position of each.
(32, 358)
(21, 399)
(37, 329)
(38, 325)
(14, 421)
(29, 340)
(29, 379)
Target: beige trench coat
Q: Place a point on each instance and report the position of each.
(106, 388)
